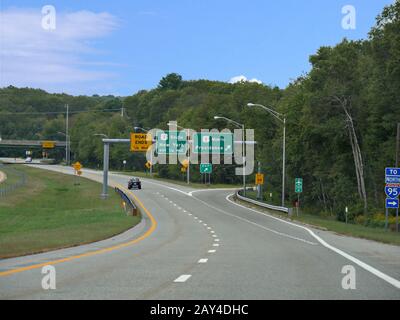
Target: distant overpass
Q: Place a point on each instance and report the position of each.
(31, 143)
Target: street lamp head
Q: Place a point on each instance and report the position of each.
(216, 117)
(251, 105)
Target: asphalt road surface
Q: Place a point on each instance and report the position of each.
(199, 244)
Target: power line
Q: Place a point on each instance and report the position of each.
(58, 112)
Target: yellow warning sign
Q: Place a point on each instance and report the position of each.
(140, 142)
(48, 144)
(77, 166)
(259, 178)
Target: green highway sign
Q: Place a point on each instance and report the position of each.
(169, 142)
(213, 143)
(205, 168)
(298, 185)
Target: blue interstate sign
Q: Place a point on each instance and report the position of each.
(392, 180)
(392, 172)
(392, 192)
(392, 203)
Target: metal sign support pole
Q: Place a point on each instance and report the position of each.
(106, 155)
(386, 218)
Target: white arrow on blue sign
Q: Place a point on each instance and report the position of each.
(392, 203)
(392, 192)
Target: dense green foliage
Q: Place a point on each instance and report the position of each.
(344, 110)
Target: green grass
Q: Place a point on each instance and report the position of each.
(12, 176)
(179, 182)
(51, 212)
(331, 224)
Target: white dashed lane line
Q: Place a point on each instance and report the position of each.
(183, 278)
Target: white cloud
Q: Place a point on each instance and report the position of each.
(242, 78)
(35, 57)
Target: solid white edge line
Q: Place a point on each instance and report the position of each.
(394, 282)
(258, 225)
(183, 278)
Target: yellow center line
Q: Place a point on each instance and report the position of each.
(92, 253)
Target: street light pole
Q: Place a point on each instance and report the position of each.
(282, 119)
(67, 136)
(284, 162)
(240, 125)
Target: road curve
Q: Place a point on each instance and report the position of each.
(202, 245)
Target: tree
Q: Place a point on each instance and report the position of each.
(171, 81)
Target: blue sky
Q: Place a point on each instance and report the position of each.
(119, 47)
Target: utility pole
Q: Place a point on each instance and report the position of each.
(67, 136)
(259, 187)
(398, 146)
(397, 165)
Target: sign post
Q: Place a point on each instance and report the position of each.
(298, 188)
(206, 169)
(392, 190)
(78, 167)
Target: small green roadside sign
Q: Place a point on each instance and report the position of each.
(205, 168)
(298, 185)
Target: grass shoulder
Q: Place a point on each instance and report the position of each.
(51, 212)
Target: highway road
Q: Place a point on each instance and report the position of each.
(199, 244)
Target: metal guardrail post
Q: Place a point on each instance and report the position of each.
(262, 204)
(127, 202)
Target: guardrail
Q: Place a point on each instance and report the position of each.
(129, 206)
(6, 187)
(263, 204)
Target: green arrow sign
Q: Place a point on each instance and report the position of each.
(205, 168)
(213, 143)
(298, 185)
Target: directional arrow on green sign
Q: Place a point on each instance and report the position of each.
(298, 185)
(205, 168)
